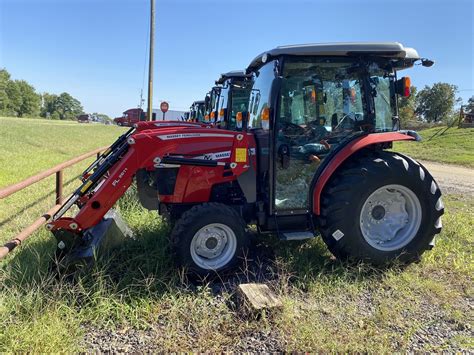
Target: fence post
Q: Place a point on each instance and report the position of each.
(59, 187)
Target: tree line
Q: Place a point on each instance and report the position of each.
(433, 104)
(19, 98)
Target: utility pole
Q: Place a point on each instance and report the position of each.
(150, 67)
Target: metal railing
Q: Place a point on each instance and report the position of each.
(58, 170)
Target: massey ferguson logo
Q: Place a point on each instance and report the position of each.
(215, 156)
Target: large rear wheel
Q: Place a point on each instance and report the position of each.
(381, 207)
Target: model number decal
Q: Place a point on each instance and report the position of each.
(116, 181)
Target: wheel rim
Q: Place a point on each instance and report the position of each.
(390, 217)
(213, 246)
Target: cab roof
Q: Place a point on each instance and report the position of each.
(199, 102)
(393, 50)
(239, 74)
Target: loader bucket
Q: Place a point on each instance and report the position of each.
(95, 243)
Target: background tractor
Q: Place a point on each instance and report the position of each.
(233, 90)
(312, 157)
(197, 111)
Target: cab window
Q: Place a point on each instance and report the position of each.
(260, 95)
(239, 97)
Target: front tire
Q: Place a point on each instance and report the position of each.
(381, 207)
(209, 239)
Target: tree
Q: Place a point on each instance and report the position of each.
(68, 107)
(49, 102)
(30, 100)
(407, 106)
(469, 108)
(436, 103)
(4, 79)
(14, 98)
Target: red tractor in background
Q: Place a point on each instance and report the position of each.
(232, 92)
(287, 170)
(196, 111)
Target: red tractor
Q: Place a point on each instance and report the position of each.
(233, 91)
(312, 155)
(196, 111)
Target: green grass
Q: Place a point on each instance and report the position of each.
(29, 146)
(455, 146)
(328, 306)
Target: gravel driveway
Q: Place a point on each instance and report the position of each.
(452, 178)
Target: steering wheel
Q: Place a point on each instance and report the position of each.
(347, 121)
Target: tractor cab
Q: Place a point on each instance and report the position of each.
(307, 102)
(227, 98)
(196, 111)
(210, 106)
(234, 92)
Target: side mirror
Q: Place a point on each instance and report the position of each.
(402, 86)
(427, 62)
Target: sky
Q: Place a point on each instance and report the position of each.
(97, 49)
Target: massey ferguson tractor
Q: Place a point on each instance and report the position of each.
(233, 91)
(196, 111)
(312, 157)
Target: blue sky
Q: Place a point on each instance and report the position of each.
(95, 49)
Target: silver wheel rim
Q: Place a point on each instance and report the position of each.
(390, 217)
(213, 246)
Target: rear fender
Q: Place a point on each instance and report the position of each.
(347, 151)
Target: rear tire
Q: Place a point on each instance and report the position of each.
(381, 207)
(209, 239)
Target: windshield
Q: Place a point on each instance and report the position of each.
(240, 93)
(211, 109)
(322, 101)
(199, 112)
(332, 94)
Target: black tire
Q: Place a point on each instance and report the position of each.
(349, 188)
(192, 221)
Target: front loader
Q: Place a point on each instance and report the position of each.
(311, 158)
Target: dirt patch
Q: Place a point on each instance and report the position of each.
(452, 178)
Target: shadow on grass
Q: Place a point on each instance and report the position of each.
(142, 269)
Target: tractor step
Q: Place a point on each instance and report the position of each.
(300, 235)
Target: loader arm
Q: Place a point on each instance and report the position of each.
(190, 147)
